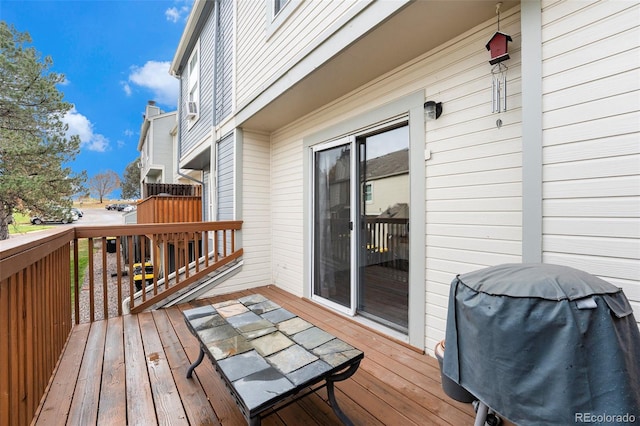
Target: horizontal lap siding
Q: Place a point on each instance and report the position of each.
(224, 62)
(162, 152)
(473, 178)
(206, 195)
(225, 186)
(474, 174)
(192, 136)
(256, 208)
(304, 27)
(591, 140)
(225, 181)
(286, 208)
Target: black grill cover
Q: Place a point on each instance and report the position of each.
(544, 344)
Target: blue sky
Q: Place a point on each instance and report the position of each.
(115, 56)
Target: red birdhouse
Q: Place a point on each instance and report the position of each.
(497, 46)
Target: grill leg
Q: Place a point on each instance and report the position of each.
(481, 415)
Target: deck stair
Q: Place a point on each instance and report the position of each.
(200, 280)
(187, 282)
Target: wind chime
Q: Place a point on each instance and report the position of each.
(498, 48)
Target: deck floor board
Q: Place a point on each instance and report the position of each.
(131, 370)
(87, 391)
(112, 408)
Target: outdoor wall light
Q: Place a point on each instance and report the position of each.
(432, 110)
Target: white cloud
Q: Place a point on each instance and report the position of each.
(179, 11)
(128, 133)
(81, 126)
(154, 76)
(126, 88)
(172, 14)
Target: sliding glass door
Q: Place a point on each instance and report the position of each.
(361, 225)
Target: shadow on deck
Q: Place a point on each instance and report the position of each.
(131, 370)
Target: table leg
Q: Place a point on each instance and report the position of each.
(195, 364)
(331, 392)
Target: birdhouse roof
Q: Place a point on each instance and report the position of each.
(497, 34)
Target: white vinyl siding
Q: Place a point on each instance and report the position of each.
(286, 213)
(225, 181)
(474, 173)
(473, 177)
(305, 27)
(256, 217)
(591, 139)
(161, 145)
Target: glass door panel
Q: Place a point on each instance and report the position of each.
(383, 275)
(332, 222)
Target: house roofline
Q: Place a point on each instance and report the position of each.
(182, 51)
(144, 128)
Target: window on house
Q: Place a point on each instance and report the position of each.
(278, 5)
(193, 104)
(278, 12)
(368, 192)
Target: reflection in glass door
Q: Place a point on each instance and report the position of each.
(332, 225)
(383, 278)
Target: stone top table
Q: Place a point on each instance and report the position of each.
(267, 355)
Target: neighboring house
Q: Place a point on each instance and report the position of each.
(274, 95)
(386, 182)
(157, 159)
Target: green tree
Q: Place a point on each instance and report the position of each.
(34, 147)
(131, 180)
(104, 184)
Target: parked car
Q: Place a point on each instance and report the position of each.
(111, 206)
(77, 211)
(120, 207)
(129, 208)
(66, 216)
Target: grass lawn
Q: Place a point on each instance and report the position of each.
(22, 223)
(83, 261)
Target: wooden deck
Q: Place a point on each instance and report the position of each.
(131, 370)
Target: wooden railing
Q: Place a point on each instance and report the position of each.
(170, 209)
(180, 253)
(385, 241)
(35, 321)
(151, 189)
(39, 301)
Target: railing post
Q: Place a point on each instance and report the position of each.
(76, 281)
(119, 279)
(105, 295)
(131, 256)
(91, 283)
